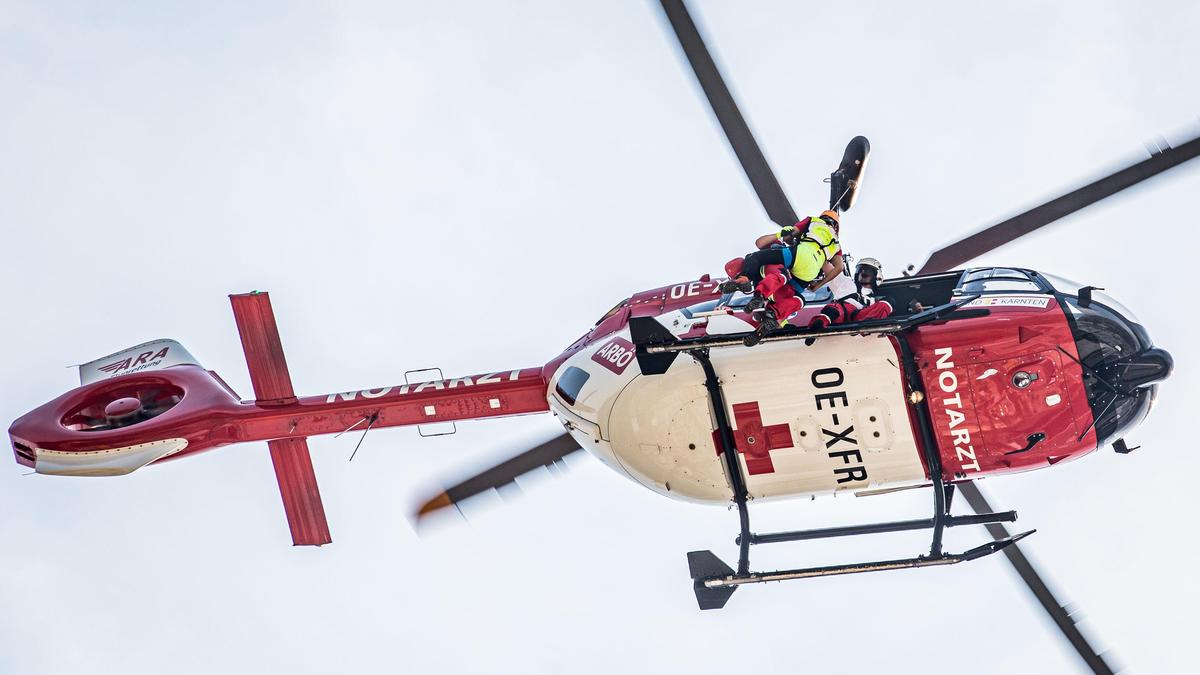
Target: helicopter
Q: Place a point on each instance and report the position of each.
(155, 402)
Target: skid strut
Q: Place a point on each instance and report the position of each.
(714, 582)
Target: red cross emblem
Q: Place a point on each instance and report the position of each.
(755, 441)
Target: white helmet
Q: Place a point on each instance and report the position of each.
(871, 262)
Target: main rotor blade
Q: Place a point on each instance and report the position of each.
(997, 235)
(754, 163)
(1034, 582)
(502, 474)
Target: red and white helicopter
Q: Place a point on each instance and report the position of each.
(1005, 370)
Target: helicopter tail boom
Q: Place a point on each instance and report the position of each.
(168, 406)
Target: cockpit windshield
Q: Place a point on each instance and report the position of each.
(1111, 350)
(999, 280)
(1068, 287)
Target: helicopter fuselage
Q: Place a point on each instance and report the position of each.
(1004, 391)
(834, 416)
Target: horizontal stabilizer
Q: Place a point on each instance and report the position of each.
(298, 487)
(273, 386)
(264, 352)
(705, 565)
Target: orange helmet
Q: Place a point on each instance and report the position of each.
(833, 219)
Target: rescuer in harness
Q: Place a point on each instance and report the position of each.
(861, 305)
(806, 255)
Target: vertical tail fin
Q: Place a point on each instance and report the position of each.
(273, 385)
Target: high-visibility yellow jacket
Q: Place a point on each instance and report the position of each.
(817, 245)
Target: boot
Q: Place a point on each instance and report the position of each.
(757, 302)
(740, 283)
(819, 322)
(768, 323)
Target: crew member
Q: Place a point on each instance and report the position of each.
(809, 252)
(807, 255)
(861, 305)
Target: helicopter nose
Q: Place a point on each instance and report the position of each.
(1148, 367)
(1121, 365)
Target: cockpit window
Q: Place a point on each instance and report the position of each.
(1105, 341)
(1068, 287)
(1101, 335)
(612, 311)
(1064, 286)
(999, 280)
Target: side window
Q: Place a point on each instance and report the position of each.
(994, 285)
(571, 383)
(999, 280)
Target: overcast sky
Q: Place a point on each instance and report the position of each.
(469, 186)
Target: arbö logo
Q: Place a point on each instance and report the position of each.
(615, 355)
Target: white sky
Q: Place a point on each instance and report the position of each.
(469, 185)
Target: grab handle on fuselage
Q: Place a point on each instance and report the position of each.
(1030, 441)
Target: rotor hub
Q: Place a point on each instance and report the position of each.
(122, 411)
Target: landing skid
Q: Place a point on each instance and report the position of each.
(714, 581)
